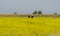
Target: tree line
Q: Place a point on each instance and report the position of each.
(37, 12)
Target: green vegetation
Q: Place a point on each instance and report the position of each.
(37, 12)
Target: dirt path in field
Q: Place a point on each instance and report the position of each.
(55, 34)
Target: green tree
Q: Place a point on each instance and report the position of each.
(35, 12)
(15, 13)
(39, 12)
(55, 13)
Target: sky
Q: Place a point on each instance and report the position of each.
(29, 6)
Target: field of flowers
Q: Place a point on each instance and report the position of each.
(23, 26)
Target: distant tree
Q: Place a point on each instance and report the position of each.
(39, 12)
(35, 12)
(55, 13)
(15, 13)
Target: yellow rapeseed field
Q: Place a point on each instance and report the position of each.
(23, 26)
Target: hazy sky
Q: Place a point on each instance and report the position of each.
(28, 6)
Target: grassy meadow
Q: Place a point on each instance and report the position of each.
(23, 26)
